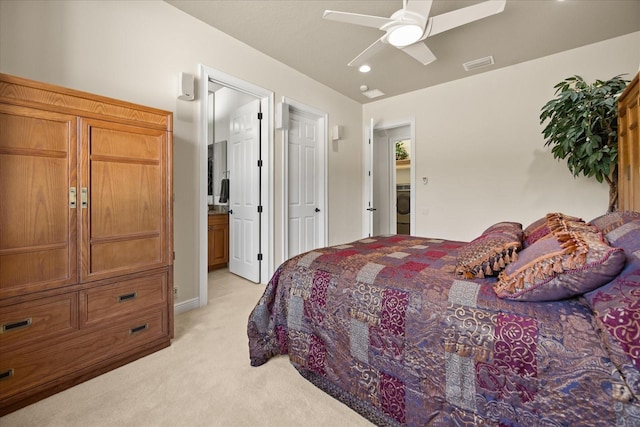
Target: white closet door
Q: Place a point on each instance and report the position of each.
(304, 184)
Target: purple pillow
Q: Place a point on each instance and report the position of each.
(610, 221)
(535, 231)
(540, 228)
(489, 253)
(569, 262)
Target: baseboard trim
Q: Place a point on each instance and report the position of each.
(188, 305)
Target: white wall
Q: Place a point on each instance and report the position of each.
(479, 143)
(478, 139)
(134, 51)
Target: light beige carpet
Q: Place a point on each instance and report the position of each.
(203, 379)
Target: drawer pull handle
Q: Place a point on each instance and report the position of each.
(8, 327)
(6, 374)
(137, 329)
(127, 297)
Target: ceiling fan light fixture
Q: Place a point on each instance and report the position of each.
(404, 35)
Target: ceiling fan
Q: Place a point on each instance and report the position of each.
(409, 26)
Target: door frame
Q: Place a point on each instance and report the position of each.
(367, 179)
(323, 125)
(266, 97)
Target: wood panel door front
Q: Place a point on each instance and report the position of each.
(38, 222)
(124, 219)
(218, 241)
(629, 147)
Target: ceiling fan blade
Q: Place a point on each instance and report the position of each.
(356, 18)
(366, 54)
(420, 52)
(459, 17)
(421, 7)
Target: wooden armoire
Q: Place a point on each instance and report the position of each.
(86, 237)
(629, 147)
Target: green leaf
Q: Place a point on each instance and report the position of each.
(580, 125)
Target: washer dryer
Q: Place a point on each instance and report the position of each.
(403, 208)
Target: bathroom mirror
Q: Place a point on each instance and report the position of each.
(218, 174)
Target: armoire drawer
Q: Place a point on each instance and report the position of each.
(114, 300)
(29, 367)
(37, 320)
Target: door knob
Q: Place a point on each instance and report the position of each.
(317, 210)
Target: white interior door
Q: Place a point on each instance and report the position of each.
(244, 191)
(305, 186)
(369, 169)
(382, 181)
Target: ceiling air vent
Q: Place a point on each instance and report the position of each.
(478, 63)
(373, 93)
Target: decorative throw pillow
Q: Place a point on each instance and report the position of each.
(540, 228)
(507, 227)
(626, 237)
(534, 232)
(569, 262)
(562, 222)
(612, 220)
(491, 252)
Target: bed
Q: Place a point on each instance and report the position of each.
(533, 326)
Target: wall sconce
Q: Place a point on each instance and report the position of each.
(282, 116)
(186, 89)
(336, 132)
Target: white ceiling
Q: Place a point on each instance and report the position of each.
(293, 32)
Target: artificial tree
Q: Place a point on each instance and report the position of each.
(583, 128)
(401, 152)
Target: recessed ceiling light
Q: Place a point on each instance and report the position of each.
(364, 68)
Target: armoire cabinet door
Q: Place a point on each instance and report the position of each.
(629, 147)
(38, 216)
(123, 199)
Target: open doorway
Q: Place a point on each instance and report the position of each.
(389, 179)
(260, 183)
(400, 140)
(234, 140)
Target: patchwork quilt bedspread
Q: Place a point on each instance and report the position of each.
(384, 325)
